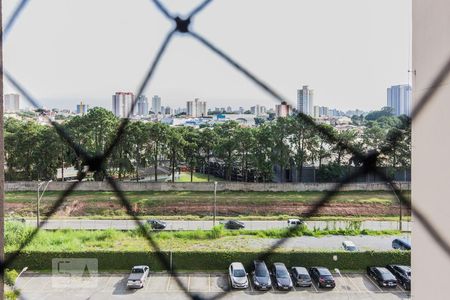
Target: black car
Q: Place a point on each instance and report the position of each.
(401, 244)
(261, 276)
(382, 276)
(283, 280)
(322, 277)
(233, 224)
(157, 224)
(403, 275)
(301, 276)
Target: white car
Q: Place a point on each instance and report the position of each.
(295, 222)
(238, 276)
(138, 276)
(349, 246)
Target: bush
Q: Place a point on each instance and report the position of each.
(10, 276)
(219, 260)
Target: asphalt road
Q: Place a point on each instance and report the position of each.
(205, 225)
(349, 286)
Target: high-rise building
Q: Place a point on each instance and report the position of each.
(283, 110)
(196, 108)
(156, 104)
(399, 99)
(316, 111)
(305, 103)
(122, 103)
(142, 105)
(168, 111)
(11, 103)
(241, 110)
(82, 108)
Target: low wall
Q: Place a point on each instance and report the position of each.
(204, 186)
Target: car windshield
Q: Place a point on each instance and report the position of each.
(239, 273)
(303, 276)
(327, 277)
(137, 270)
(261, 272)
(282, 274)
(351, 248)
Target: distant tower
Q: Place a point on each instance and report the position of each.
(142, 105)
(399, 99)
(156, 104)
(11, 104)
(82, 108)
(122, 103)
(305, 103)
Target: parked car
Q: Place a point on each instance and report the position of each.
(301, 276)
(401, 244)
(322, 276)
(283, 280)
(382, 276)
(238, 276)
(403, 275)
(295, 222)
(261, 276)
(233, 224)
(349, 246)
(138, 276)
(157, 224)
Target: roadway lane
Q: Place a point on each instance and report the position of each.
(206, 225)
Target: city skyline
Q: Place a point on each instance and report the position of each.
(341, 62)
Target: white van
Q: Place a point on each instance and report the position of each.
(295, 222)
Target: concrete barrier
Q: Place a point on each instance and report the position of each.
(31, 186)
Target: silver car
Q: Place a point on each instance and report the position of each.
(138, 277)
(238, 276)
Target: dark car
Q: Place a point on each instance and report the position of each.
(382, 276)
(403, 275)
(261, 276)
(322, 277)
(401, 244)
(283, 279)
(301, 276)
(233, 224)
(157, 224)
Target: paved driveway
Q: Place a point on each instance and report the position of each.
(163, 286)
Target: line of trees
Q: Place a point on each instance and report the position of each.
(35, 152)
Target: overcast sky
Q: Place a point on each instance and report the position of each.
(348, 51)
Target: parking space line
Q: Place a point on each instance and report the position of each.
(189, 283)
(314, 286)
(250, 284)
(373, 282)
(168, 282)
(209, 283)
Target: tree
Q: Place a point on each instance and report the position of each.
(280, 132)
(191, 148)
(175, 146)
(263, 153)
(207, 142)
(158, 138)
(226, 145)
(245, 147)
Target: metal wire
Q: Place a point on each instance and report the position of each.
(96, 162)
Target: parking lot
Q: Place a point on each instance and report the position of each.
(164, 286)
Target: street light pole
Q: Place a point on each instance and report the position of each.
(215, 203)
(400, 217)
(39, 197)
(21, 272)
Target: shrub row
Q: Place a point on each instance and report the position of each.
(209, 261)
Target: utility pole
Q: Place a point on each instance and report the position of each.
(38, 202)
(215, 203)
(2, 168)
(400, 217)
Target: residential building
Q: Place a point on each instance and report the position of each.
(283, 110)
(399, 99)
(11, 104)
(142, 105)
(196, 108)
(156, 104)
(122, 102)
(82, 108)
(305, 101)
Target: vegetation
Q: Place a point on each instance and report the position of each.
(229, 151)
(133, 240)
(215, 260)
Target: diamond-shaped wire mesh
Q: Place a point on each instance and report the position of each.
(95, 163)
